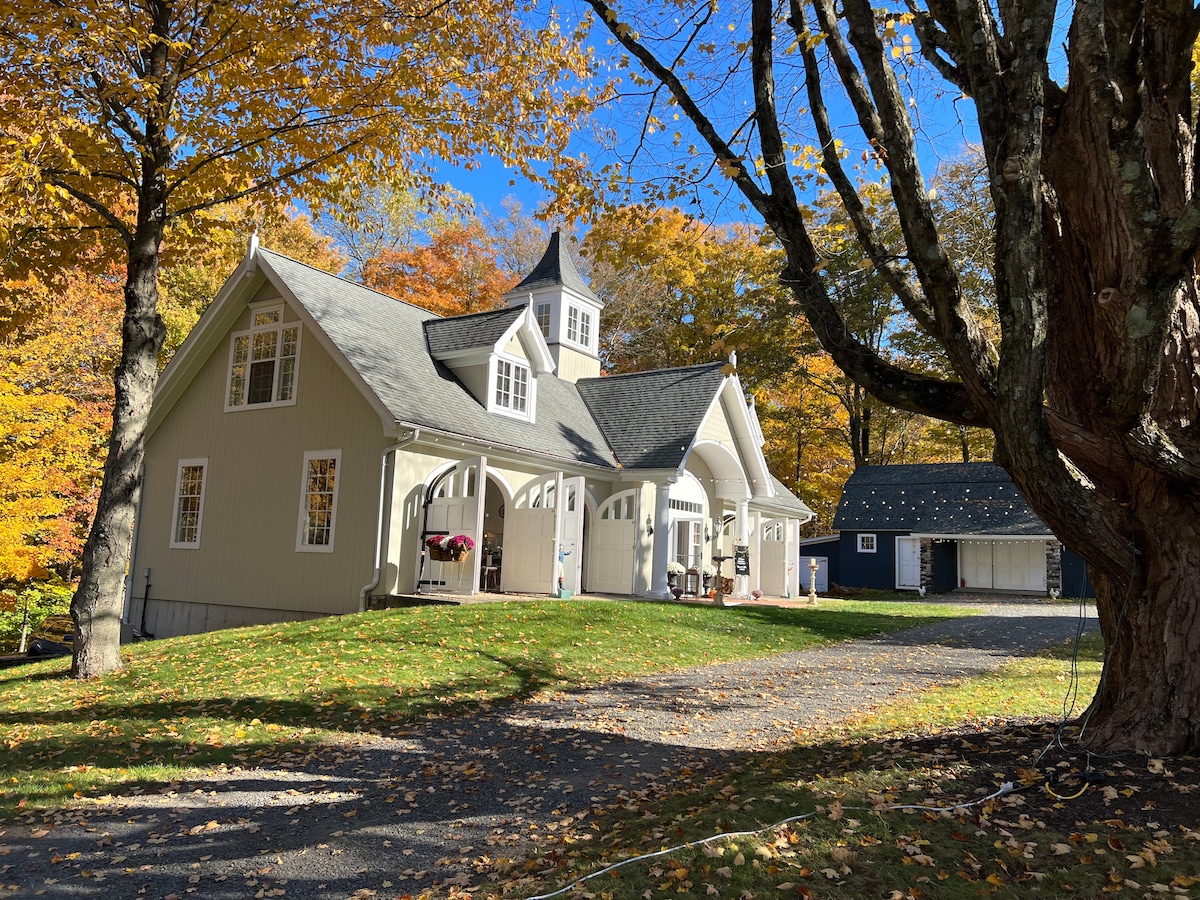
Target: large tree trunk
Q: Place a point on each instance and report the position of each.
(96, 606)
(1149, 698)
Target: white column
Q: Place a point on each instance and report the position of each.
(741, 531)
(661, 541)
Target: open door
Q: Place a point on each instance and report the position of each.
(454, 505)
(531, 539)
(570, 534)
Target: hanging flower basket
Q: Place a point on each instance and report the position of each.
(444, 548)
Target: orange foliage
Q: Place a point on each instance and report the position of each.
(55, 411)
(457, 272)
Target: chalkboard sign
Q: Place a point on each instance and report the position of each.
(741, 560)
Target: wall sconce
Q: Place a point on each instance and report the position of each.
(649, 524)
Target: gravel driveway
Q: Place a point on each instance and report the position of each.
(395, 815)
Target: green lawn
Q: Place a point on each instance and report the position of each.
(252, 695)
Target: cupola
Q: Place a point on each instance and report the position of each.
(565, 310)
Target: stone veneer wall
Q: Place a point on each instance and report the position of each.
(1053, 566)
(927, 563)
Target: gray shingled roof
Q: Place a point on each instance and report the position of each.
(554, 268)
(651, 418)
(470, 332)
(384, 340)
(785, 499)
(939, 498)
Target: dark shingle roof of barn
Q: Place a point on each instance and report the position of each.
(554, 268)
(469, 332)
(937, 498)
(651, 418)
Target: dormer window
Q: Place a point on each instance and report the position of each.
(512, 387)
(262, 362)
(579, 326)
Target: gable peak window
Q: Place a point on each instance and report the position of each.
(262, 361)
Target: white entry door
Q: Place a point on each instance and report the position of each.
(908, 562)
(614, 545)
(531, 540)
(455, 507)
(773, 561)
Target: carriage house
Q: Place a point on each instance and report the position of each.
(311, 436)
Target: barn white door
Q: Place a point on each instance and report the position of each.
(455, 507)
(975, 564)
(908, 562)
(1019, 565)
(531, 540)
(614, 545)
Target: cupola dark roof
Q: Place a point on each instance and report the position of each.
(554, 269)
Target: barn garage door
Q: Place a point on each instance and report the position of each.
(1003, 565)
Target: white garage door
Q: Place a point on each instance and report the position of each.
(1019, 565)
(1003, 565)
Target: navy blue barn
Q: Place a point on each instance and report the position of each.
(944, 526)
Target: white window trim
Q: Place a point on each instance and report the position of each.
(531, 395)
(580, 312)
(256, 308)
(202, 462)
(874, 548)
(302, 521)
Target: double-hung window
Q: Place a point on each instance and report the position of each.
(189, 504)
(512, 387)
(262, 362)
(318, 501)
(579, 326)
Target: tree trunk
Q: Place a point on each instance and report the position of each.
(97, 604)
(1150, 693)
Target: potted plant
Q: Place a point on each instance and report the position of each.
(709, 571)
(449, 549)
(674, 570)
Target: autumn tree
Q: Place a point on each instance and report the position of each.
(60, 342)
(1093, 389)
(455, 272)
(134, 118)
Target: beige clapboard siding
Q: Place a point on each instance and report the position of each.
(716, 428)
(247, 552)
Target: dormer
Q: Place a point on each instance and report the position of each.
(565, 311)
(497, 355)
